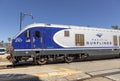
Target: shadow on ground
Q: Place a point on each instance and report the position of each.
(18, 77)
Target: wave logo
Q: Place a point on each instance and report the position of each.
(99, 35)
(18, 40)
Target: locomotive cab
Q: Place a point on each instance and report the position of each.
(25, 42)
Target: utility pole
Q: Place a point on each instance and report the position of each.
(22, 15)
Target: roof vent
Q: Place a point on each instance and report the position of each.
(47, 24)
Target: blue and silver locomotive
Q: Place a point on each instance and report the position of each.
(43, 42)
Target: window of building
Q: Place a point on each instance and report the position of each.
(79, 39)
(66, 33)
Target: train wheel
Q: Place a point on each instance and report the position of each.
(42, 61)
(83, 57)
(68, 59)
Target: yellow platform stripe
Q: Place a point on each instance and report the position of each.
(62, 72)
(21, 68)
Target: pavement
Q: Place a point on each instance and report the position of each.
(38, 73)
(98, 79)
(4, 65)
(4, 62)
(77, 71)
(44, 73)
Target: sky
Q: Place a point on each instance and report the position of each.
(93, 13)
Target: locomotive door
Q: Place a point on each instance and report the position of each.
(37, 39)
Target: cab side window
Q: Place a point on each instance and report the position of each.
(37, 34)
(27, 34)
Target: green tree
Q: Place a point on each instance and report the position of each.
(116, 27)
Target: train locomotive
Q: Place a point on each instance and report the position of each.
(43, 42)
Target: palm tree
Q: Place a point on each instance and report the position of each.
(2, 42)
(9, 39)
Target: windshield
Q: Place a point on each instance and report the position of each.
(2, 50)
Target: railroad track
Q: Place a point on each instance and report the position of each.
(29, 63)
